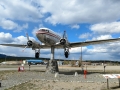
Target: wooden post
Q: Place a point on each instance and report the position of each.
(29, 67)
(107, 83)
(0, 82)
(119, 81)
(104, 69)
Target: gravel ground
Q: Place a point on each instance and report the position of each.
(38, 79)
(66, 80)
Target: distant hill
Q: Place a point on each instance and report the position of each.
(9, 58)
(2, 55)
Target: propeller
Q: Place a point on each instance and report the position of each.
(29, 42)
(63, 40)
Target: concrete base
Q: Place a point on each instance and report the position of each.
(52, 67)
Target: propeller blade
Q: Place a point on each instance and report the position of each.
(64, 34)
(27, 36)
(24, 49)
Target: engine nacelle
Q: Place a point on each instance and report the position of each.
(29, 43)
(33, 44)
(62, 41)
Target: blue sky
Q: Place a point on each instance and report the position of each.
(82, 19)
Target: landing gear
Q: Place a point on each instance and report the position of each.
(37, 52)
(37, 55)
(66, 54)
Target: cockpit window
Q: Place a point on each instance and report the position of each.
(45, 30)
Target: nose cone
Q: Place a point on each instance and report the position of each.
(39, 35)
(37, 32)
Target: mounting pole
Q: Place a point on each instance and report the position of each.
(52, 66)
(81, 59)
(52, 53)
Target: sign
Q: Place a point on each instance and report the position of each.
(107, 76)
(111, 76)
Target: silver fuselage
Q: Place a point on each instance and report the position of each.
(47, 36)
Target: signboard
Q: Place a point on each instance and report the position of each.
(111, 76)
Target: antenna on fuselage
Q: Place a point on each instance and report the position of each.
(64, 35)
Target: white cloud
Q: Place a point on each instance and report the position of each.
(113, 27)
(21, 27)
(69, 12)
(79, 11)
(77, 49)
(75, 26)
(109, 51)
(19, 10)
(5, 37)
(10, 25)
(102, 37)
(85, 35)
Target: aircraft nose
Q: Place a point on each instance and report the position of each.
(37, 33)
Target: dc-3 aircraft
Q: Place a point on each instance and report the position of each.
(53, 40)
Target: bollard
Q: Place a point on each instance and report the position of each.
(119, 81)
(56, 74)
(85, 72)
(29, 67)
(107, 84)
(76, 74)
(0, 83)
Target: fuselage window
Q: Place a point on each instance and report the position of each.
(47, 30)
(43, 30)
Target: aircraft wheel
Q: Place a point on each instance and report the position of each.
(37, 55)
(66, 54)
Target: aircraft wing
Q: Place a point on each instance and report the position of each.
(23, 46)
(86, 43)
(14, 45)
(72, 45)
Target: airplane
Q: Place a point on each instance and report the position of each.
(51, 39)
